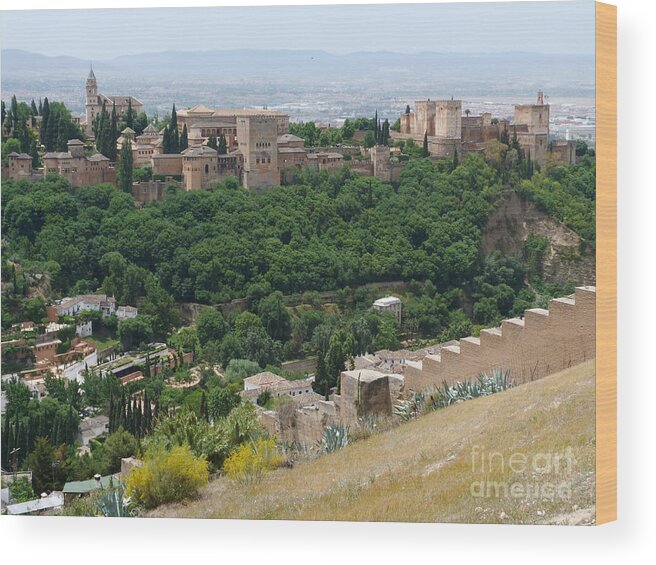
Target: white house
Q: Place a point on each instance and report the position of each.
(389, 304)
(74, 305)
(125, 312)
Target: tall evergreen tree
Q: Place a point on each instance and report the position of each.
(376, 129)
(62, 134)
(424, 152)
(455, 158)
(211, 142)
(407, 108)
(33, 109)
(384, 136)
(184, 139)
(129, 115)
(124, 172)
(174, 118)
(223, 146)
(113, 136)
(166, 141)
(40, 110)
(34, 153)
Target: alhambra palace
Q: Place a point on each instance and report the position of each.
(261, 153)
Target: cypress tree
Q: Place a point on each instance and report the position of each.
(166, 141)
(112, 415)
(124, 172)
(34, 154)
(424, 151)
(14, 112)
(40, 110)
(129, 115)
(376, 132)
(223, 145)
(174, 118)
(184, 139)
(113, 136)
(407, 108)
(62, 134)
(175, 140)
(385, 133)
(45, 115)
(455, 158)
(203, 406)
(33, 108)
(211, 142)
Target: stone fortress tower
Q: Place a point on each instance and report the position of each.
(258, 142)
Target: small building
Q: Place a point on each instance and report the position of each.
(52, 502)
(77, 489)
(390, 304)
(125, 312)
(261, 380)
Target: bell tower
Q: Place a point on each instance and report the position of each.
(91, 101)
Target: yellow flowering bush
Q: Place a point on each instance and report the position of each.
(167, 476)
(251, 461)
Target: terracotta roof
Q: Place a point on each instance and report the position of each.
(19, 155)
(262, 379)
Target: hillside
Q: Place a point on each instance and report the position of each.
(422, 471)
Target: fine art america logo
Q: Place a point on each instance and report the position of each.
(542, 475)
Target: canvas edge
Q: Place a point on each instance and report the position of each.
(606, 209)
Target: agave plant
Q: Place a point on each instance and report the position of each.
(334, 437)
(114, 504)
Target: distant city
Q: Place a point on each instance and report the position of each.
(318, 86)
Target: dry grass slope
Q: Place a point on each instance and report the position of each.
(422, 471)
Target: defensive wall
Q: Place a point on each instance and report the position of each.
(539, 344)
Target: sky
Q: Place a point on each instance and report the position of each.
(540, 27)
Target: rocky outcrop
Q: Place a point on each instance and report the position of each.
(509, 227)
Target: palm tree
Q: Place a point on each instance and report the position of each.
(467, 112)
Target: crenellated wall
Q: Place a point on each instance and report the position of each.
(540, 343)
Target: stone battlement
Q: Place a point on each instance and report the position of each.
(539, 344)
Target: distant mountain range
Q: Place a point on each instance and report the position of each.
(275, 75)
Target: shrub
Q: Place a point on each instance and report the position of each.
(167, 476)
(20, 490)
(251, 461)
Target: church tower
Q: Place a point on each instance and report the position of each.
(92, 102)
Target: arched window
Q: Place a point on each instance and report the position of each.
(207, 169)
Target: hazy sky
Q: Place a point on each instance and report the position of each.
(545, 27)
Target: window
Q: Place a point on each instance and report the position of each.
(207, 169)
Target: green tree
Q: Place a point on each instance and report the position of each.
(220, 402)
(20, 489)
(223, 147)
(184, 139)
(424, 151)
(117, 446)
(210, 326)
(133, 332)
(35, 309)
(211, 141)
(42, 463)
(124, 172)
(369, 139)
(275, 317)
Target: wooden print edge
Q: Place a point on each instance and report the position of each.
(606, 207)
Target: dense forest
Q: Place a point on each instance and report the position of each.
(328, 231)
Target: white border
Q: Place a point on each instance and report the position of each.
(73, 540)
